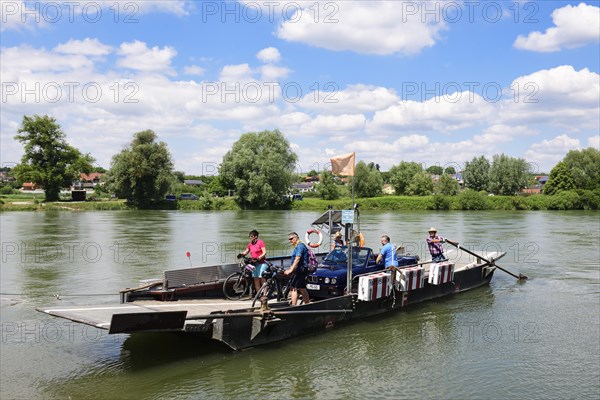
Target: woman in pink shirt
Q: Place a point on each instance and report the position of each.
(258, 252)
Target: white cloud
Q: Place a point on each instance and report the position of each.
(236, 73)
(574, 27)
(20, 61)
(558, 95)
(321, 127)
(594, 141)
(13, 18)
(398, 146)
(20, 15)
(373, 27)
(545, 154)
(441, 113)
(353, 99)
(294, 119)
(193, 70)
(325, 124)
(86, 47)
(368, 119)
(179, 8)
(500, 133)
(269, 55)
(273, 73)
(136, 55)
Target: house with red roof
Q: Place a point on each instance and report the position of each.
(29, 186)
(87, 181)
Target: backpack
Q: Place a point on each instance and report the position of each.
(312, 264)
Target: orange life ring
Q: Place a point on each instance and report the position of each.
(307, 237)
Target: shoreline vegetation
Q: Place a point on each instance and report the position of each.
(467, 200)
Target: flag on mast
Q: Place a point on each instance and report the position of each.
(343, 165)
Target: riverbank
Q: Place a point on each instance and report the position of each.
(468, 200)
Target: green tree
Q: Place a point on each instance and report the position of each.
(214, 186)
(584, 166)
(385, 175)
(260, 168)
(142, 172)
(327, 188)
(402, 174)
(560, 179)
(420, 185)
(435, 170)
(450, 171)
(179, 175)
(476, 173)
(367, 180)
(447, 186)
(49, 160)
(508, 175)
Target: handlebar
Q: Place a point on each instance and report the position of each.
(272, 271)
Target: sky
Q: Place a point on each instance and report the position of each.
(434, 82)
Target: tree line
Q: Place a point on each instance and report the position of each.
(259, 170)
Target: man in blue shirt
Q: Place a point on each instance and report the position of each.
(388, 253)
(298, 278)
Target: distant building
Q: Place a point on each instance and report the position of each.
(537, 187)
(303, 187)
(87, 181)
(388, 189)
(459, 178)
(29, 186)
(4, 177)
(193, 182)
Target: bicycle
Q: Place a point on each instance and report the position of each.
(275, 285)
(240, 283)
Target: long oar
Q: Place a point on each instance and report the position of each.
(423, 263)
(519, 277)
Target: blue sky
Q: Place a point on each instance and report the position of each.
(436, 82)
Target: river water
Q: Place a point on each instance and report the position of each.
(537, 339)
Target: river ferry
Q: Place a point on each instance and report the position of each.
(191, 300)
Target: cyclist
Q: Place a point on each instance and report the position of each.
(258, 252)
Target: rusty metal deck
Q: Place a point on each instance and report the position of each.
(170, 313)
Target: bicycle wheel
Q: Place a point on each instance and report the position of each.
(263, 288)
(281, 291)
(235, 286)
(284, 291)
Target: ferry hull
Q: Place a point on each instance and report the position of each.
(239, 325)
(240, 333)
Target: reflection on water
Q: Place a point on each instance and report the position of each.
(469, 346)
(149, 350)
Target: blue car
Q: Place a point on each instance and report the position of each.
(188, 196)
(329, 280)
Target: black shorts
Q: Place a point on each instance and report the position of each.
(298, 280)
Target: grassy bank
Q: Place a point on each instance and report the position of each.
(468, 200)
(582, 200)
(22, 203)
